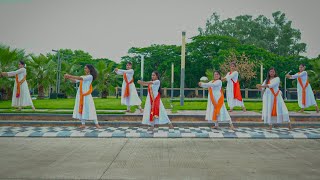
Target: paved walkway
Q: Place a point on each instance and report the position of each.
(187, 158)
(161, 132)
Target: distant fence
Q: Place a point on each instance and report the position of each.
(198, 93)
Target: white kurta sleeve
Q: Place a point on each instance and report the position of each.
(13, 73)
(87, 78)
(211, 84)
(274, 83)
(304, 73)
(156, 82)
(264, 83)
(121, 71)
(231, 76)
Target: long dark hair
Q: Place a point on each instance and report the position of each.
(268, 75)
(158, 76)
(93, 71)
(22, 62)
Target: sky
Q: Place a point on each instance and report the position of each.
(108, 28)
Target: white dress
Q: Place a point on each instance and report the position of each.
(268, 98)
(310, 100)
(89, 110)
(232, 102)
(216, 91)
(163, 117)
(25, 98)
(133, 97)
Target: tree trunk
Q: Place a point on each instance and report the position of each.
(40, 92)
(104, 94)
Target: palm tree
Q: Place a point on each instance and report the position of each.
(106, 78)
(73, 68)
(8, 61)
(43, 72)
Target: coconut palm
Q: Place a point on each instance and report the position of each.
(43, 72)
(106, 78)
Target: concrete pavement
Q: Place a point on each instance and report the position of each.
(123, 158)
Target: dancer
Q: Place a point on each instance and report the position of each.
(274, 109)
(154, 112)
(84, 108)
(129, 95)
(234, 97)
(216, 109)
(305, 94)
(21, 94)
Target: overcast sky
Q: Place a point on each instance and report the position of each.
(108, 28)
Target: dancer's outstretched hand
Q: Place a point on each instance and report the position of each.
(139, 82)
(67, 76)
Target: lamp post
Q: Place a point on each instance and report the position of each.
(58, 72)
(172, 79)
(183, 61)
(141, 76)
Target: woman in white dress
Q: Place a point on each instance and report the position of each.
(234, 97)
(21, 94)
(274, 109)
(84, 108)
(216, 109)
(154, 111)
(305, 94)
(129, 95)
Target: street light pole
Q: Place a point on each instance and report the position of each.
(142, 71)
(183, 61)
(172, 79)
(58, 72)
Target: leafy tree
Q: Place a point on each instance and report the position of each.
(277, 35)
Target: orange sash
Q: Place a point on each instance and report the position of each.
(155, 104)
(303, 89)
(127, 90)
(19, 84)
(236, 89)
(274, 106)
(217, 105)
(82, 96)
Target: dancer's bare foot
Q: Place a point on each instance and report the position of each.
(244, 109)
(230, 110)
(215, 127)
(33, 109)
(317, 109)
(301, 111)
(19, 109)
(171, 126)
(127, 111)
(98, 126)
(289, 126)
(232, 127)
(82, 126)
(151, 128)
(270, 127)
(141, 110)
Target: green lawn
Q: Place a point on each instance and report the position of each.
(114, 104)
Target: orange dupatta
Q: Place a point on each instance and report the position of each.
(82, 96)
(19, 84)
(303, 89)
(236, 89)
(274, 106)
(217, 105)
(155, 104)
(127, 90)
